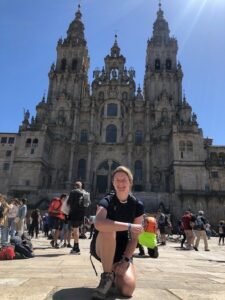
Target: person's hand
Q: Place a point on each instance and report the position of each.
(136, 228)
(121, 267)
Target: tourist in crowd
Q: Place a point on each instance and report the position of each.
(221, 231)
(76, 214)
(35, 223)
(56, 218)
(188, 223)
(200, 231)
(4, 208)
(22, 213)
(12, 214)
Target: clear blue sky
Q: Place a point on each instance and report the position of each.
(30, 29)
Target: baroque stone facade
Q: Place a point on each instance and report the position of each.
(83, 132)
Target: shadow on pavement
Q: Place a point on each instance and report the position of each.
(81, 293)
(48, 255)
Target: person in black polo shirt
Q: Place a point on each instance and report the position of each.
(118, 220)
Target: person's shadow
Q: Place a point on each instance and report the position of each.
(81, 293)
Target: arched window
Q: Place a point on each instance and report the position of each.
(157, 64)
(63, 64)
(35, 143)
(111, 134)
(124, 96)
(168, 64)
(28, 143)
(138, 171)
(112, 109)
(101, 96)
(81, 172)
(84, 136)
(182, 146)
(189, 146)
(74, 65)
(138, 137)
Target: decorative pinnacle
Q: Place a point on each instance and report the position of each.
(160, 4)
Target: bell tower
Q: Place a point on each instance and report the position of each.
(162, 72)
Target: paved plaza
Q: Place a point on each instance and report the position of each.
(55, 274)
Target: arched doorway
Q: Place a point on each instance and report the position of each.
(103, 176)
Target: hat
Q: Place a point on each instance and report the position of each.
(201, 212)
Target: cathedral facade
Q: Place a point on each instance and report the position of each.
(84, 131)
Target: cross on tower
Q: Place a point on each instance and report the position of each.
(160, 4)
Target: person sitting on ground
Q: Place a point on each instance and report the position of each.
(148, 237)
(119, 222)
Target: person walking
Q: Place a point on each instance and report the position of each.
(221, 231)
(56, 218)
(200, 231)
(76, 215)
(118, 222)
(187, 221)
(12, 214)
(22, 213)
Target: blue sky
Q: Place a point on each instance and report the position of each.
(29, 31)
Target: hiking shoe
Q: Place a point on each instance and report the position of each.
(153, 253)
(75, 251)
(104, 286)
(52, 243)
(196, 249)
(69, 246)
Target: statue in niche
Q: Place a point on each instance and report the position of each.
(61, 118)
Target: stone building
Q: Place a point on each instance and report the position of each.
(84, 132)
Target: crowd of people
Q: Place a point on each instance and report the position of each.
(119, 226)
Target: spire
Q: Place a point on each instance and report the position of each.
(160, 27)
(75, 33)
(115, 50)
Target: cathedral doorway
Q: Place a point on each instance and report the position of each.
(103, 176)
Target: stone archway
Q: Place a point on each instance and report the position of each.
(103, 176)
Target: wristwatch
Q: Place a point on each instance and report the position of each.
(126, 259)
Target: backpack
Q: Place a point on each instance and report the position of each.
(54, 207)
(86, 199)
(7, 253)
(199, 223)
(162, 220)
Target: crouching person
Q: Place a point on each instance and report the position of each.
(118, 222)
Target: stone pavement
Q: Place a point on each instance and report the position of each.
(54, 274)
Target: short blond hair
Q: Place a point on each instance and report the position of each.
(124, 170)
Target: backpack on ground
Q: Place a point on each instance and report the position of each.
(7, 253)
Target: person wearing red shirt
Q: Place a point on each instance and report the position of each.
(56, 218)
(187, 218)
